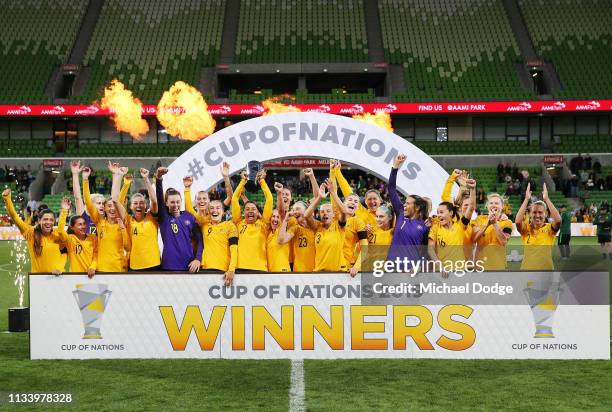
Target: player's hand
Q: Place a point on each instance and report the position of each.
(528, 191)
(308, 172)
(75, 167)
(399, 160)
(194, 266)
(289, 215)
(6, 192)
(144, 173)
(456, 173)
(261, 175)
(128, 177)
(369, 228)
(228, 278)
(91, 272)
(492, 218)
(225, 169)
(544, 193)
(470, 183)
(123, 172)
(66, 203)
(244, 175)
(353, 272)
(113, 167)
(187, 181)
(56, 272)
(86, 173)
(331, 185)
(278, 186)
(322, 193)
(121, 223)
(503, 217)
(160, 172)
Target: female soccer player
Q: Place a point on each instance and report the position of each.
(252, 229)
(97, 199)
(329, 231)
(113, 240)
(82, 246)
(410, 232)
(142, 227)
(220, 237)
(382, 233)
(538, 236)
(372, 197)
(177, 229)
(491, 234)
(277, 252)
(43, 240)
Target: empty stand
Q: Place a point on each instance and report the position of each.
(577, 37)
(35, 37)
(452, 49)
(301, 31)
(150, 45)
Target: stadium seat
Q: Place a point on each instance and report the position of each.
(452, 49)
(301, 31)
(577, 38)
(35, 37)
(150, 45)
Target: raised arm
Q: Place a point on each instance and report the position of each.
(280, 205)
(125, 189)
(144, 173)
(159, 194)
(309, 213)
(398, 206)
(269, 199)
(225, 168)
(309, 173)
(10, 208)
(447, 195)
(118, 173)
(520, 214)
(187, 182)
(554, 213)
(76, 169)
(236, 218)
(284, 235)
(471, 184)
(125, 236)
(343, 184)
(61, 223)
(91, 210)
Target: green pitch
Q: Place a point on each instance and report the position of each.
(265, 385)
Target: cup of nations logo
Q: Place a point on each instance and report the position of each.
(543, 297)
(92, 300)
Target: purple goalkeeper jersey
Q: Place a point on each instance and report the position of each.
(91, 227)
(177, 233)
(409, 235)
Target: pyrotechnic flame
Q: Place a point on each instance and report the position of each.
(127, 109)
(184, 113)
(273, 105)
(380, 119)
(19, 258)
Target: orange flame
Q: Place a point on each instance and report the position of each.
(380, 119)
(127, 109)
(274, 106)
(184, 113)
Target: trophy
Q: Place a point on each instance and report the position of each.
(92, 300)
(543, 297)
(253, 168)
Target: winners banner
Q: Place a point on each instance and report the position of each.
(509, 315)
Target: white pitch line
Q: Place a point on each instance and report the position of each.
(297, 402)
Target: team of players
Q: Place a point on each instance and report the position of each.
(104, 237)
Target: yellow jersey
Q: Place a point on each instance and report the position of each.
(489, 250)
(83, 253)
(354, 232)
(220, 246)
(278, 255)
(303, 246)
(329, 245)
(144, 253)
(51, 258)
(450, 242)
(537, 253)
(252, 239)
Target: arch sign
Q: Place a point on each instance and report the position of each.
(308, 134)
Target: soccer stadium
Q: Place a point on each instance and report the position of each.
(305, 204)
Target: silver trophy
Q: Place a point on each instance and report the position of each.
(543, 297)
(92, 299)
